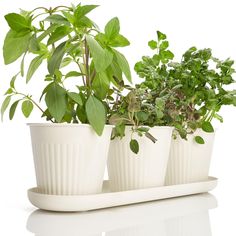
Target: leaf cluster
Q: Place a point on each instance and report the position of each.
(192, 90)
(63, 36)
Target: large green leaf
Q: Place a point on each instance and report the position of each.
(49, 30)
(123, 64)
(207, 127)
(70, 17)
(17, 22)
(56, 58)
(34, 65)
(96, 114)
(134, 146)
(84, 22)
(76, 98)
(66, 61)
(58, 34)
(112, 28)
(119, 41)
(101, 85)
(56, 101)
(58, 19)
(27, 107)
(102, 57)
(5, 104)
(13, 109)
(73, 74)
(34, 46)
(81, 11)
(14, 46)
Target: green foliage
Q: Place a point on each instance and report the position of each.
(5, 104)
(27, 107)
(102, 58)
(58, 34)
(56, 101)
(207, 127)
(187, 94)
(96, 114)
(14, 46)
(134, 146)
(13, 109)
(34, 65)
(199, 140)
(123, 64)
(66, 36)
(56, 58)
(57, 19)
(112, 28)
(17, 22)
(135, 110)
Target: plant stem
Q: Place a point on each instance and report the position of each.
(40, 8)
(29, 98)
(206, 116)
(80, 71)
(211, 116)
(39, 15)
(93, 76)
(56, 8)
(50, 13)
(88, 80)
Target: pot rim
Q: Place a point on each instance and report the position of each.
(154, 127)
(62, 125)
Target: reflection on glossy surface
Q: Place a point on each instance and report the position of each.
(174, 217)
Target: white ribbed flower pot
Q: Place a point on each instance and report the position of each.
(146, 169)
(69, 159)
(190, 161)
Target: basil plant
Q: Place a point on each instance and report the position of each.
(192, 91)
(65, 37)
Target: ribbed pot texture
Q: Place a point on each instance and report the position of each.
(69, 159)
(189, 161)
(146, 169)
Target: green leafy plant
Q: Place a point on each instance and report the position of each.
(137, 111)
(65, 36)
(192, 90)
(145, 105)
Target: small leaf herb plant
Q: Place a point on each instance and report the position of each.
(65, 36)
(136, 111)
(191, 91)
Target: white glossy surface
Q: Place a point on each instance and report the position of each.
(189, 214)
(112, 199)
(187, 23)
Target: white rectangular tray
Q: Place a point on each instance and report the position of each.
(111, 199)
(188, 212)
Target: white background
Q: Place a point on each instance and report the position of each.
(203, 23)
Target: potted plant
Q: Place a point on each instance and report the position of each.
(139, 150)
(70, 153)
(194, 90)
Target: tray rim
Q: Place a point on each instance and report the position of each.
(206, 186)
(106, 182)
